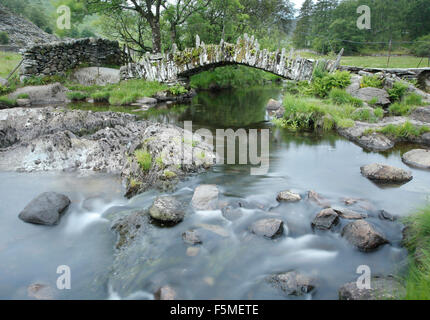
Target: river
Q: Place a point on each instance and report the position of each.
(231, 263)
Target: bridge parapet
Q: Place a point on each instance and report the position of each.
(173, 66)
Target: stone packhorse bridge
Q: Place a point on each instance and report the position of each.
(179, 66)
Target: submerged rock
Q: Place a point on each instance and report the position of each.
(40, 292)
(382, 288)
(269, 228)
(363, 235)
(167, 209)
(205, 197)
(165, 293)
(419, 158)
(293, 283)
(326, 219)
(45, 209)
(318, 199)
(385, 174)
(191, 237)
(384, 215)
(288, 196)
(349, 214)
(129, 227)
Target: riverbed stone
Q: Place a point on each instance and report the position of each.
(165, 293)
(40, 291)
(419, 158)
(288, 196)
(349, 214)
(368, 93)
(129, 226)
(318, 199)
(382, 288)
(421, 114)
(45, 209)
(269, 228)
(385, 173)
(384, 215)
(363, 235)
(273, 105)
(293, 283)
(325, 219)
(191, 237)
(205, 197)
(167, 209)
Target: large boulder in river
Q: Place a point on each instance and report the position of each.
(269, 228)
(205, 197)
(167, 209)
(382, 288)
(325, 219)
(363, 235)
(368, 94)
(288, 196)
(385, 174)
(419, 158)
(45, 209)
(293, 283)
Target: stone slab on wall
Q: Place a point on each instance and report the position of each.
(58, 57)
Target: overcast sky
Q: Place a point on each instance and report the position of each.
(298, 3)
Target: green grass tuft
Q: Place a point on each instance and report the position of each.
(144, 159)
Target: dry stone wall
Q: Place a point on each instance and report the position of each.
(58, 57)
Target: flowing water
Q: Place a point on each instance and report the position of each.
(231, 263)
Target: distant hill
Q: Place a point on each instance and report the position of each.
(22, 33)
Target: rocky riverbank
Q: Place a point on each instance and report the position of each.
(49, 139)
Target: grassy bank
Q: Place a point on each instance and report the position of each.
(8, 61)
(231, 77)
(417, 242)
(374, 62)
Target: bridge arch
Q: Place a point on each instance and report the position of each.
(176, 65)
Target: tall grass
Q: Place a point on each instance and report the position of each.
(417, 279)
(129, 91)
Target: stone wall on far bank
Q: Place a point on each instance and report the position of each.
(58, 57)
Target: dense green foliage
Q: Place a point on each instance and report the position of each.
(398, 91)
(144, 159)
(231, 77)
(329, 25)
(371, 81)
(4, 38)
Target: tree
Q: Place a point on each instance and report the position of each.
(304, 25)
(150, 10)
(178, 13)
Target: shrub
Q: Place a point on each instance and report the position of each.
(372, 81)
(4, 38)
(421, 47)
(3, 90)
(321, 86)
(340, 96)
(398, 91)
(144, 159)
(177, 90)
